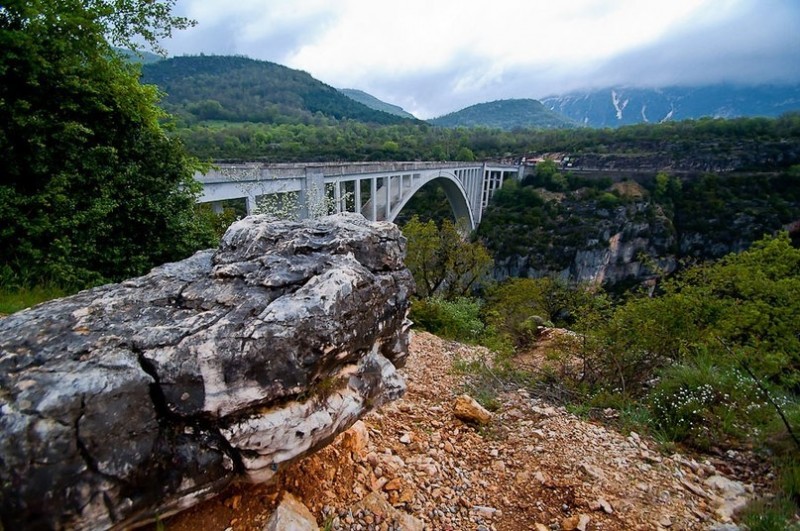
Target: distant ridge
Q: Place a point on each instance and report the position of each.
(141, 57)
(616, 106)
(239, 89)
(374, 103)
(505, 114)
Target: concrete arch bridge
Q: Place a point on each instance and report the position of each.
(379, 191)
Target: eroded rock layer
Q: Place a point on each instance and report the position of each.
(138, 399)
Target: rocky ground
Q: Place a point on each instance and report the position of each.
(532, 466)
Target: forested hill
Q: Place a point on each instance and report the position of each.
(374, 103)
(616, 106)
(239, 89)
(140, 57)
(506, 115)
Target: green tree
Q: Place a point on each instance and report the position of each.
(517, 306)
(747, 303)
(662, 185)
(442, 261)
(546, 170)
(390, 146)
(465, 154)
(91, 188)
(548, 176)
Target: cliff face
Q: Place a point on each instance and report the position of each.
(632, 233)
(685, 157)
(598, 245)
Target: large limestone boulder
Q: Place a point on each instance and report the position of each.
(136, 400)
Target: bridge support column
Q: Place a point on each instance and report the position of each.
(216, 207)
(312, 195)
(251, 204)
(373, 197)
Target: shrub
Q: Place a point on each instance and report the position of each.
(607, 200)
(518, 306)
(456, 319)
(703, 401)
(749, 302)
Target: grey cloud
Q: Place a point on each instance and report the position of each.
(760, 45)
(223, 36)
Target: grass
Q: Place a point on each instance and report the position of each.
(14, 300)
(770, 514)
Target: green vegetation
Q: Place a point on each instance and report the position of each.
(714, 336)
(712, 360)
(442, 261)
(506, 115)
(16, 299)
(517, 307)
(452, 319)
(314, 137)
(429, 203)
(544, 223)
(239, 89)
(323, 139)
(91, 187)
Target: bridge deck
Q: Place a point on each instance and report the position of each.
(378, 190)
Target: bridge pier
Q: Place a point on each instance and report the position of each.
(312, 195)
(251, 204)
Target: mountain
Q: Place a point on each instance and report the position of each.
(374, 103)
(239, 89)
(141, 57)
(505, 114)
(612, 107)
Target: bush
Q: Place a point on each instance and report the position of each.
(607, 200)
(749, 302)
(703, 401)
(516, 307)
(457, 319)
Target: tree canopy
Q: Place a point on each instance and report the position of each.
(91, 188)
(442, 261)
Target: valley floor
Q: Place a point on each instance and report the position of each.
(535, 466)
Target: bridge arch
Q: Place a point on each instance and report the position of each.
(379, 191)
(453, 190)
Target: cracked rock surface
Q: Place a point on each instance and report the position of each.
(136, 400)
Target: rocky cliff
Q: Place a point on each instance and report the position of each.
(589, 241)
(630, 232)
(135, 400)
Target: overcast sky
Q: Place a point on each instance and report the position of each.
(436, 56)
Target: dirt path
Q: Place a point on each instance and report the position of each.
(533, 464)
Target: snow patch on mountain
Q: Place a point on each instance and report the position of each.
(595, 108)
(619, 105)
